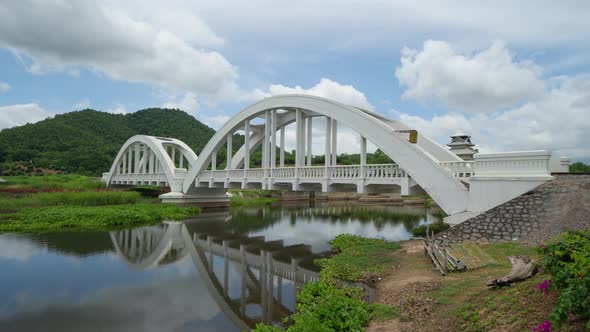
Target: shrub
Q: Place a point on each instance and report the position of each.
(324, 306)
(435, 227)
(568, 261)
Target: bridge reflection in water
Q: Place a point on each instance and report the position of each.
(266, 269)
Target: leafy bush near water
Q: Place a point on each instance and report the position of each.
(325, 307)
(568, 261)
(93, 218)
(435, 227)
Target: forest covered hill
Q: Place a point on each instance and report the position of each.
(86, 141)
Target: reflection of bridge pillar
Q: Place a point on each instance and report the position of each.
(210, 260)
(270, 300)
(295, 283)
(243, 280)
(279, 289)
(225, 268)
(263, 286)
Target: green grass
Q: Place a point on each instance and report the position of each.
(92, 218)
(358, 258)
(251, 197)
(61, 181)
(381, 312)
(83, 198)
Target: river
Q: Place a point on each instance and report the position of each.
(222, 271)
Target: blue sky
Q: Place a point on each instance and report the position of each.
(514, 76)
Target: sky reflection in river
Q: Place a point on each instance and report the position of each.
(96, 281)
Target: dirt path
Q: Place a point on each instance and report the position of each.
(401, 288)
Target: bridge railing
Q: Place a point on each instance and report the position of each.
(460, 169)
(283, 172)
(384, 171)
(312, 172)
(371, 171)
(344, 171)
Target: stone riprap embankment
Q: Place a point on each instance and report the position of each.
(532, 218)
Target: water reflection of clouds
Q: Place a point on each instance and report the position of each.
(18, 247)
(312, 232)
(163, 306)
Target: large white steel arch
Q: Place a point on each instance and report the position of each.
(421, 161)
(151, 160)
(461, 188)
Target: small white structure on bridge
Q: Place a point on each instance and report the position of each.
(461, 188)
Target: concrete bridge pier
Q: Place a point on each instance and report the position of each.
(202, 197)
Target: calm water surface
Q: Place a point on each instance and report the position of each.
(223, 271)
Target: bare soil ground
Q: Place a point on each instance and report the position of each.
(461, 301)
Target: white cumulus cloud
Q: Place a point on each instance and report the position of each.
(70, 34)
(215, 121)
(82, 104)
(558, 120)
(187, 102)
(20, 114)
(327, 88)
(4, 87)
(477, 83)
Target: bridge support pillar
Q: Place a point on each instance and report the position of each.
(203, 197)
(405, 186)
(325, 186)
(360, 187)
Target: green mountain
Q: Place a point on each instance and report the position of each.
(87, 141)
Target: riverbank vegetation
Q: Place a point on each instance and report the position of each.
(414, 297)
(463, 302)
(434, 228)
(92, 218)
(358, 258)
(333, 305)
(73, 202)
(250, 197)
(80, 198)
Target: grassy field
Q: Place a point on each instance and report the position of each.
(72, 202)
(358, 258)
(57, 181)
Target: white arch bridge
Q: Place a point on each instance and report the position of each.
(461, 188)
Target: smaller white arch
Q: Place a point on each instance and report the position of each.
(159, 147)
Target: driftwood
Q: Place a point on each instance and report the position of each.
(522, 268)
